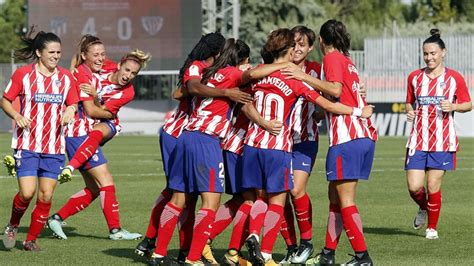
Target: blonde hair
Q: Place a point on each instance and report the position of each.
(139, 56)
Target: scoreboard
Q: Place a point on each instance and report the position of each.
(168, 29)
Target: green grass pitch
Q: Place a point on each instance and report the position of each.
(385, 206)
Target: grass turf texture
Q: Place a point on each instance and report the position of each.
(385, 206)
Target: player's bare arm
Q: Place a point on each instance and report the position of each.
(20, 120)
(273, 126)
(97, 112)
(195, 87)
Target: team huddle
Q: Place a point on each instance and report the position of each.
(251, 132)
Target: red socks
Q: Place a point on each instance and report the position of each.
(168, 220)
(434, 208)
(353, 226)
(287, 230)
(240, 224)
(271, 227)
(18, 209)
(202, 227)
(420, 197)
(39, 216)
(304, 216)
(334, 227)
(87, 149)
(160, 203)
(224, 216)
(76, 203)
(186, 225)
(257, 216)
(110, 206)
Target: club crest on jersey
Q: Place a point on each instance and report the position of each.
(48, 98)
(57, 83)
(352, 69)
(430, 100)
(152, 24)
(105, 90)
(442, 85)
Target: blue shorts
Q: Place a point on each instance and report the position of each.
(29, 163)
(350, 160)
(266, 169)
(233, 172)
(113, 131)
(304, 156)
(167, 145)
(197, 164)
(423, 160)
(73, 143)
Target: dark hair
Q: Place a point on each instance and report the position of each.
(233, 52)
(334, 33)
(209, 45)
(305, 31)
(38, 42)
(435, 38)
(266, 56)
(83, 46)
(278, 43)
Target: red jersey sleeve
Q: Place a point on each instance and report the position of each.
(462, 93)
(15, 86)
(120, 99)
(306, 91)
(83, 75)
(194, 71)
(333, 68)
(410, 90)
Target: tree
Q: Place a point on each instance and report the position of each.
(12, 22)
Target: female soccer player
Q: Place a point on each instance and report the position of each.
(44, 90)
(266, 160)
(305, 148)
(437, 92)
(97, 178)
(351, 140)
(114, 91)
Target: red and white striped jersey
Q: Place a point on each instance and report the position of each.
(234, 141)
(176, 123)
(212, 115)
(42, 99)
(113, 96)
(433, 129)
(305, 128)
(83, 123)
(344, 128)
(274, 98)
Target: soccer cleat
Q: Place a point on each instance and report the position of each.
(9, 236)
(145, 247)
(123, 234)
(420, 219)
(182, 254)
(55, 224)
(31, 246)
(65, 175)
(290, 252)
(233, 257)
(302, 254)
(155, 261)
(253, 247)
(323, 258)
(271, 262)
(357, 260)
(193, 263)
(208, 256)
(9, 163)
(431, 233)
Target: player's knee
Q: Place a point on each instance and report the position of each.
(27, 196)
(297, 192)
(45, 196)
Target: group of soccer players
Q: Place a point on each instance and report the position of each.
(94, 93)
(247, 131)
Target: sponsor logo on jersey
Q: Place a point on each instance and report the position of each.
(430, 100)
(352, 69)
(48, 98)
